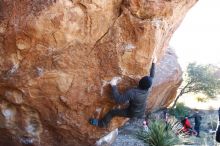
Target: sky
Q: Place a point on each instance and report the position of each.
(198, 37)
(198, 40)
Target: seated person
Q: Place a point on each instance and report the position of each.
(187, 128)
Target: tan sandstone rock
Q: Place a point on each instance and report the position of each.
(57, 57)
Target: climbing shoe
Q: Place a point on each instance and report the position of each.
(94, 122)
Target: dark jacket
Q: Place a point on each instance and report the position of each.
(137, 97)
(218, 128)
(197, 118)
(218, 133)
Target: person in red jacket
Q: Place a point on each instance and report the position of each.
(187, 128)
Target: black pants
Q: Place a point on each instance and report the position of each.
(112, 113)
(197, 129)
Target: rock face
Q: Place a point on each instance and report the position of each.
(57, 57)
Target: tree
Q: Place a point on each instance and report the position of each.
(200, 79)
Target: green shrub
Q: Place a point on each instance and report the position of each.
(158, 135)
(180, 111)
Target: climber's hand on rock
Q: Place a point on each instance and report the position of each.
(155, 59)
(115, 81)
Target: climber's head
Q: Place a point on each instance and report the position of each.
(145, 83)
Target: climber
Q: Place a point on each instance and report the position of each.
(137, 98)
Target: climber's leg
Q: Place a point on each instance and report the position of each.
(107, 118)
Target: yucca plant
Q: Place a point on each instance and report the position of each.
(159, 134)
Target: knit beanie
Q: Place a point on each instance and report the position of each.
(145, 83)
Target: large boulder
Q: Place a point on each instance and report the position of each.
(167, 80)
(58, 56)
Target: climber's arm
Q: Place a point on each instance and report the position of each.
(152, 70)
